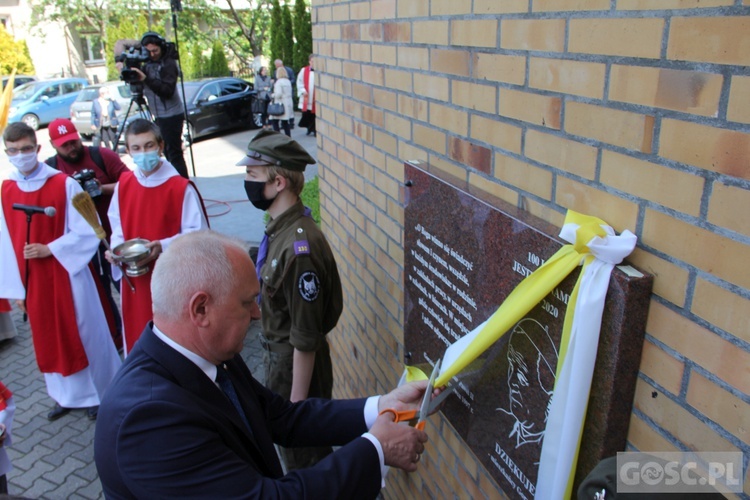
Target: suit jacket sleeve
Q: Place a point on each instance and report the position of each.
(175, 436)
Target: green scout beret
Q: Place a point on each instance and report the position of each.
(270, 148)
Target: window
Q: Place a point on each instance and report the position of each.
(124, 91)
(93, 49)
(51, 91)
(232, 87)
(69, 87)
(209, 92)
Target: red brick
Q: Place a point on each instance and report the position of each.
(470, 154)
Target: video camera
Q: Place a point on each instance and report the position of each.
(132, 58)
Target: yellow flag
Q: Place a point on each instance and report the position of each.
(6, 99)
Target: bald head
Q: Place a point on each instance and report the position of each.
(204, 292)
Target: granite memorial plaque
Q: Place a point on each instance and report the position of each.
(463, 257)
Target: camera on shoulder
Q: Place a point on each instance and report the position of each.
(132, 58)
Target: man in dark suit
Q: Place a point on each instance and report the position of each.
(167, 429)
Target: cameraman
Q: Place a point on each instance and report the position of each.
(159, 76)
(73, 158)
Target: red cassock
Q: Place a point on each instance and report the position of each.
(152, 213)
(5, 395)
(308, 100)
(49, 298)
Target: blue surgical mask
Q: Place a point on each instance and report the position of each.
(148, 161)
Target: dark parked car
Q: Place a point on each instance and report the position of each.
(216, 104)
(18, 80)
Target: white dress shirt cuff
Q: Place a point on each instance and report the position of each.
(381, 457)
(371, 414)
(371, 410)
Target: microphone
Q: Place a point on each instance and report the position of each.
(33, 209)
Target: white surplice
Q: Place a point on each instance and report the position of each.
(73, 250)
(193, 218)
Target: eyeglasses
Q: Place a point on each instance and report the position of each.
(24, 150)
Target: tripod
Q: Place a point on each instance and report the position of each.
(137, 99)
(176, 6)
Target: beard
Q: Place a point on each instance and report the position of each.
(74, 155)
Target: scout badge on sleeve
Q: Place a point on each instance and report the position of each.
(308, 285)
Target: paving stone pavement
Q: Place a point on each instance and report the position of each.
(55, 460)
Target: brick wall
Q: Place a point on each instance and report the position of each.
(636, 111)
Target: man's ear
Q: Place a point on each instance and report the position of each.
(198, 308)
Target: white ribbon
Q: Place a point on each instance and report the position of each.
(573, 384)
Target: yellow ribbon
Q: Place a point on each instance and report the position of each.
(528, 294)
(414, 374)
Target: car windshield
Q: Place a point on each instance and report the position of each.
(88, 94)
(26, 91)
(191, 89)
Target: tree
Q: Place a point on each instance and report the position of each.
(287, 37)
(302, 34)
(218, 63)
(132, 30)
(98, 15)
(249, 25)
(190, 64)
(14, 55)
(277, 50)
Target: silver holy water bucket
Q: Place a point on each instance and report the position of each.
(130, 253)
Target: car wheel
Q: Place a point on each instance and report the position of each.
(31, 120)
(258, 120)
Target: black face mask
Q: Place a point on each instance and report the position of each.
(254, 192)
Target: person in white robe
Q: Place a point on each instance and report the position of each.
(145, 144)
(73, 250)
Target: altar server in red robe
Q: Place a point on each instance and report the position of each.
(306, 94)
(7, 327)
(154, 203)
(69, 329)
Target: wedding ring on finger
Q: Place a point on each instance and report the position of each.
(416, 459)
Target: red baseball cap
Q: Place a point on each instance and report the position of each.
(61, 131)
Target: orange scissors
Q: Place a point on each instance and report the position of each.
(417, 418)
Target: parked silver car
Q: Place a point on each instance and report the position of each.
(80, 110)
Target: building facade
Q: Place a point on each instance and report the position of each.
(55, 48)
(634, 111)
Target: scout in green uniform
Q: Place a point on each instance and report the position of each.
(301, 297)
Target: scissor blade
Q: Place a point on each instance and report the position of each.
(424, 409)
(437, 400)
